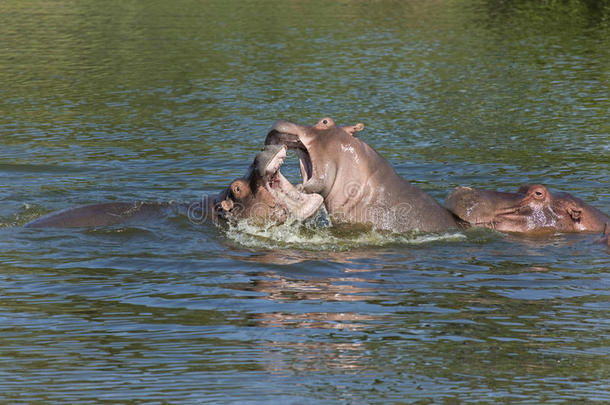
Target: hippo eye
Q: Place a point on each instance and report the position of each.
(538, 194)
(325, 123)
(236, 190)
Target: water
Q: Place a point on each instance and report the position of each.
(167, 101)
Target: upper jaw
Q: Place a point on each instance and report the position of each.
(274, 163)
(282, 134)
(291, 140)
(297, 204)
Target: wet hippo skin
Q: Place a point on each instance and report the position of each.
(358, 185)
(533, 208)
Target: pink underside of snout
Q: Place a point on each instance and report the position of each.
(300, 206)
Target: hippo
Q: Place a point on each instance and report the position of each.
(531, 209)
(263, 194)
(358, 185)
(104, 214)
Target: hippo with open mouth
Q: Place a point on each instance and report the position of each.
(359, 186)
(531, 209)
(263, 194)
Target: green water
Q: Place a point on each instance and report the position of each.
(167, 101)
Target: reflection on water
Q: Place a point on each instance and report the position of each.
(342, 321)
(298, 290)
(166, 101)
(314, 358)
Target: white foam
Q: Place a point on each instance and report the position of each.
(312, 236)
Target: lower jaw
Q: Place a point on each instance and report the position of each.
(298, 205)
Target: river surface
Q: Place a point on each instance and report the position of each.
(171, 100)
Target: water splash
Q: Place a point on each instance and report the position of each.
(311, 236)
(26, 213)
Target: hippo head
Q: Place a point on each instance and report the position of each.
(265, 194)
(531, 209)
(313, 145)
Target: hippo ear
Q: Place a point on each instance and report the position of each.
(352, 129)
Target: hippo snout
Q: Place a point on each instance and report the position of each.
(281, 126)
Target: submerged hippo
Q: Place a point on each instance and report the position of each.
(531, 209)
(263, 194)
(358, 184)
(103, 214)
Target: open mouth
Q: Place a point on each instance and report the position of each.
(298, 204)
(293, 142)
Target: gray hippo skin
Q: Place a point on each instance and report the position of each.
(263, 194)
(104, 214)
(359, 186)
(531, 209)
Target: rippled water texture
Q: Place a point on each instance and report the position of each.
(170, 100)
